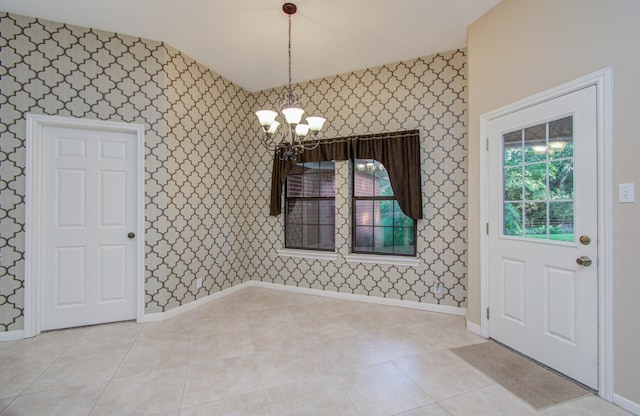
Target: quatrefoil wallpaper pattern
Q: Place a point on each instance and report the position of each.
(428, 94)
(194, 182)
(207, 178)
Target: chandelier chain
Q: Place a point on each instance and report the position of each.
(289, 52)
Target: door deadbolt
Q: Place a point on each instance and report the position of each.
(585, 240)
(131, 235)
(584, 261)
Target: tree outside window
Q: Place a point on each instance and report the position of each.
(538, 181)
(379, 225)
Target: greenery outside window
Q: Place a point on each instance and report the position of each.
(379, 225)
(310, 206)
(538, 181)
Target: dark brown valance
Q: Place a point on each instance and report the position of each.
(398, 152)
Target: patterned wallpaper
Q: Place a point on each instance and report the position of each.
(428, 94)
(206, 209)
(194, 194)
(193, 212)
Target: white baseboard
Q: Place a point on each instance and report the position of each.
(11, 335)
(431, 307)
(161, 316)
(475, 328)
(627, 404)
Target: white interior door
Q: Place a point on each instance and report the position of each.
(543, 280)
(88, 257)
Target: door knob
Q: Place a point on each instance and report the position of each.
(131, 235)
(584, 261)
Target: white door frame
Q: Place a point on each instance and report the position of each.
(603, 80)
(35, 206)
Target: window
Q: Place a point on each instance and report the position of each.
(538, 181)
(310, 206)
(379, 225)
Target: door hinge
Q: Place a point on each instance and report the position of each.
(487, 313)
(487, 228)
(487, 143)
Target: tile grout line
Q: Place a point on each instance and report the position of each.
(40, 375)
(264, 392)
(13, 399)
(350, 399)
(114, 372)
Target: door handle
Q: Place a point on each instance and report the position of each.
(131, 235)
(584, 261)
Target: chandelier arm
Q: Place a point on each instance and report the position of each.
(295, 139)
(269, 143)
(316, 144)
(303, 145)
(307, 145)
(270, 147)
(277, 139)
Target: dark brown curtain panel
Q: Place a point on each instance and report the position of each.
(398, 152)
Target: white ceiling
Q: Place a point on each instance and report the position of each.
(246, 40)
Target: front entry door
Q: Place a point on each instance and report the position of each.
(89, 258)
(543, 235)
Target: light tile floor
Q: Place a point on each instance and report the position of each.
(262, 352)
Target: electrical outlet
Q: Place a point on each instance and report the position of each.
(437, 288)
(199, 282)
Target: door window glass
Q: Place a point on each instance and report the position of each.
(537, 181)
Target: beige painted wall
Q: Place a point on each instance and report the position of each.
(522, 47)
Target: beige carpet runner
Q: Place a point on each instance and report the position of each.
(526, 379)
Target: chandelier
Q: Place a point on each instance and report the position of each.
(297, 137)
